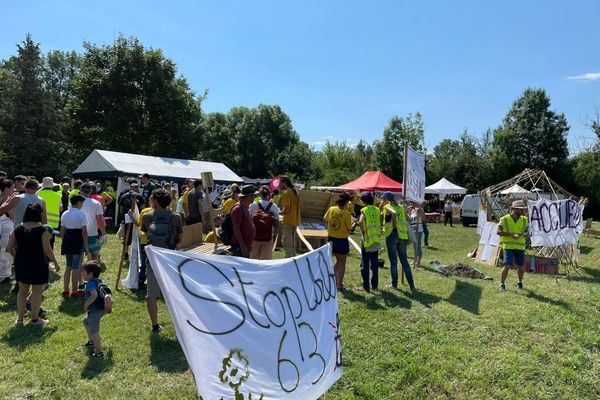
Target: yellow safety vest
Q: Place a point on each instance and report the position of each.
(509, 225)
(72, 193)
(372, 226)
(401, 224)
(53, 200)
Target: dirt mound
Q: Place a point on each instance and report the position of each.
(462, 270)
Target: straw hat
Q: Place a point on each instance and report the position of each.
(519, 205)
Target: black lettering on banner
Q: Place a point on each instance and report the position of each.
(535, 217)
(285, 291)
(286, 360)
(272, 293)
(557, 209)
(314, 352)
(235, 306)
(242, 283)
(316, 284)
(330, 289)
(544, 205)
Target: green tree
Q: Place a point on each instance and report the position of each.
(129, 98)
(30, 124)
(390, 150)
(532, 136)
(337, 162)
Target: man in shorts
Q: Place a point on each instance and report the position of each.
(163, 228)
(513, 229)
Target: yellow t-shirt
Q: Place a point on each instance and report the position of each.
(185, 201)
(277, 200)
(291, 202)
(339, 222)
(228, 205)
(143, 237)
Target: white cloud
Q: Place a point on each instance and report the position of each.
(590, 76)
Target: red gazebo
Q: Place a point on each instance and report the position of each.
(374, 181)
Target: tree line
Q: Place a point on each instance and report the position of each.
(56, 107)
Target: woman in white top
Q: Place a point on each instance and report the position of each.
(7, 188)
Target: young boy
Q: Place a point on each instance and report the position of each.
(95, 307)
(73, 231)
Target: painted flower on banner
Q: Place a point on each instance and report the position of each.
(234, 372)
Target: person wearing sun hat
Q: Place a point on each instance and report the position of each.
(241, 220)
(513, 229)
(227, 201)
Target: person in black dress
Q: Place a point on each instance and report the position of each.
(30, 245)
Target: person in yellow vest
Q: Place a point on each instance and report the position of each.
(143, 240)
(290, 209)
(513, 229)
(53, 204)
(396, 239)
(339, 227)
(370, 227)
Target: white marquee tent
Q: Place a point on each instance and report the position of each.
(444, 186)
(103, 164)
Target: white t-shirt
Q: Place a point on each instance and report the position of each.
(274, 210)
(92, 208)
(73, 218)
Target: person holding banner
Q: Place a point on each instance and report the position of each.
(339, 227)
(290, 209)
(370, 226)
(396, 229)
(513, 229)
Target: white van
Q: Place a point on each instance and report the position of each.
(469, 210)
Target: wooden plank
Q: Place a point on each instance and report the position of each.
(355, 245)
(303, 239)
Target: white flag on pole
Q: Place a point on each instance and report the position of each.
(414, 185)
(254, 329)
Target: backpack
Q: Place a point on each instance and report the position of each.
(103, 302)
(226, 233)
(264, 222)
(160, 232)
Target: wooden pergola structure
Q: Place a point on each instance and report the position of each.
(531, 184)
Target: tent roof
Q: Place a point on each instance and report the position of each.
(374, 180)
(515, 189)
(103, 163)
(444, 186)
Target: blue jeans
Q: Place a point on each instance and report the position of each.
(396, 249)
(369, 260)
(419, 252)
(426, 235)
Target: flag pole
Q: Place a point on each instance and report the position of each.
(404, 191)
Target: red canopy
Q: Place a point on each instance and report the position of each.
(374, 180)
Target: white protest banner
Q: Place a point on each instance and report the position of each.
(254, 329)
(555, 223)
(414, 182)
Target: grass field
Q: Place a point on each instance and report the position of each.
(457, 338)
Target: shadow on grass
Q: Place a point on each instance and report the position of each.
(426, 299)
(591, 271)
(585, 249)
(97, 366)
(24, 336)
(547, 300)
(466, 296)
(9, 299)
(390, 299)
(166, 354)
(370, 302)
(71, 306)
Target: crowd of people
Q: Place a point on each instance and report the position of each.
(248, 220)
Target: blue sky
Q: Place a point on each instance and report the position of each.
(342, 69)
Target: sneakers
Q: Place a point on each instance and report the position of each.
(156, 328)
(519, 285)
(39, 322)
(503, 287)
(89, 344)
(19, 322)
(97, 355)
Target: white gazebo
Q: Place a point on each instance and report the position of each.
(445, 187)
